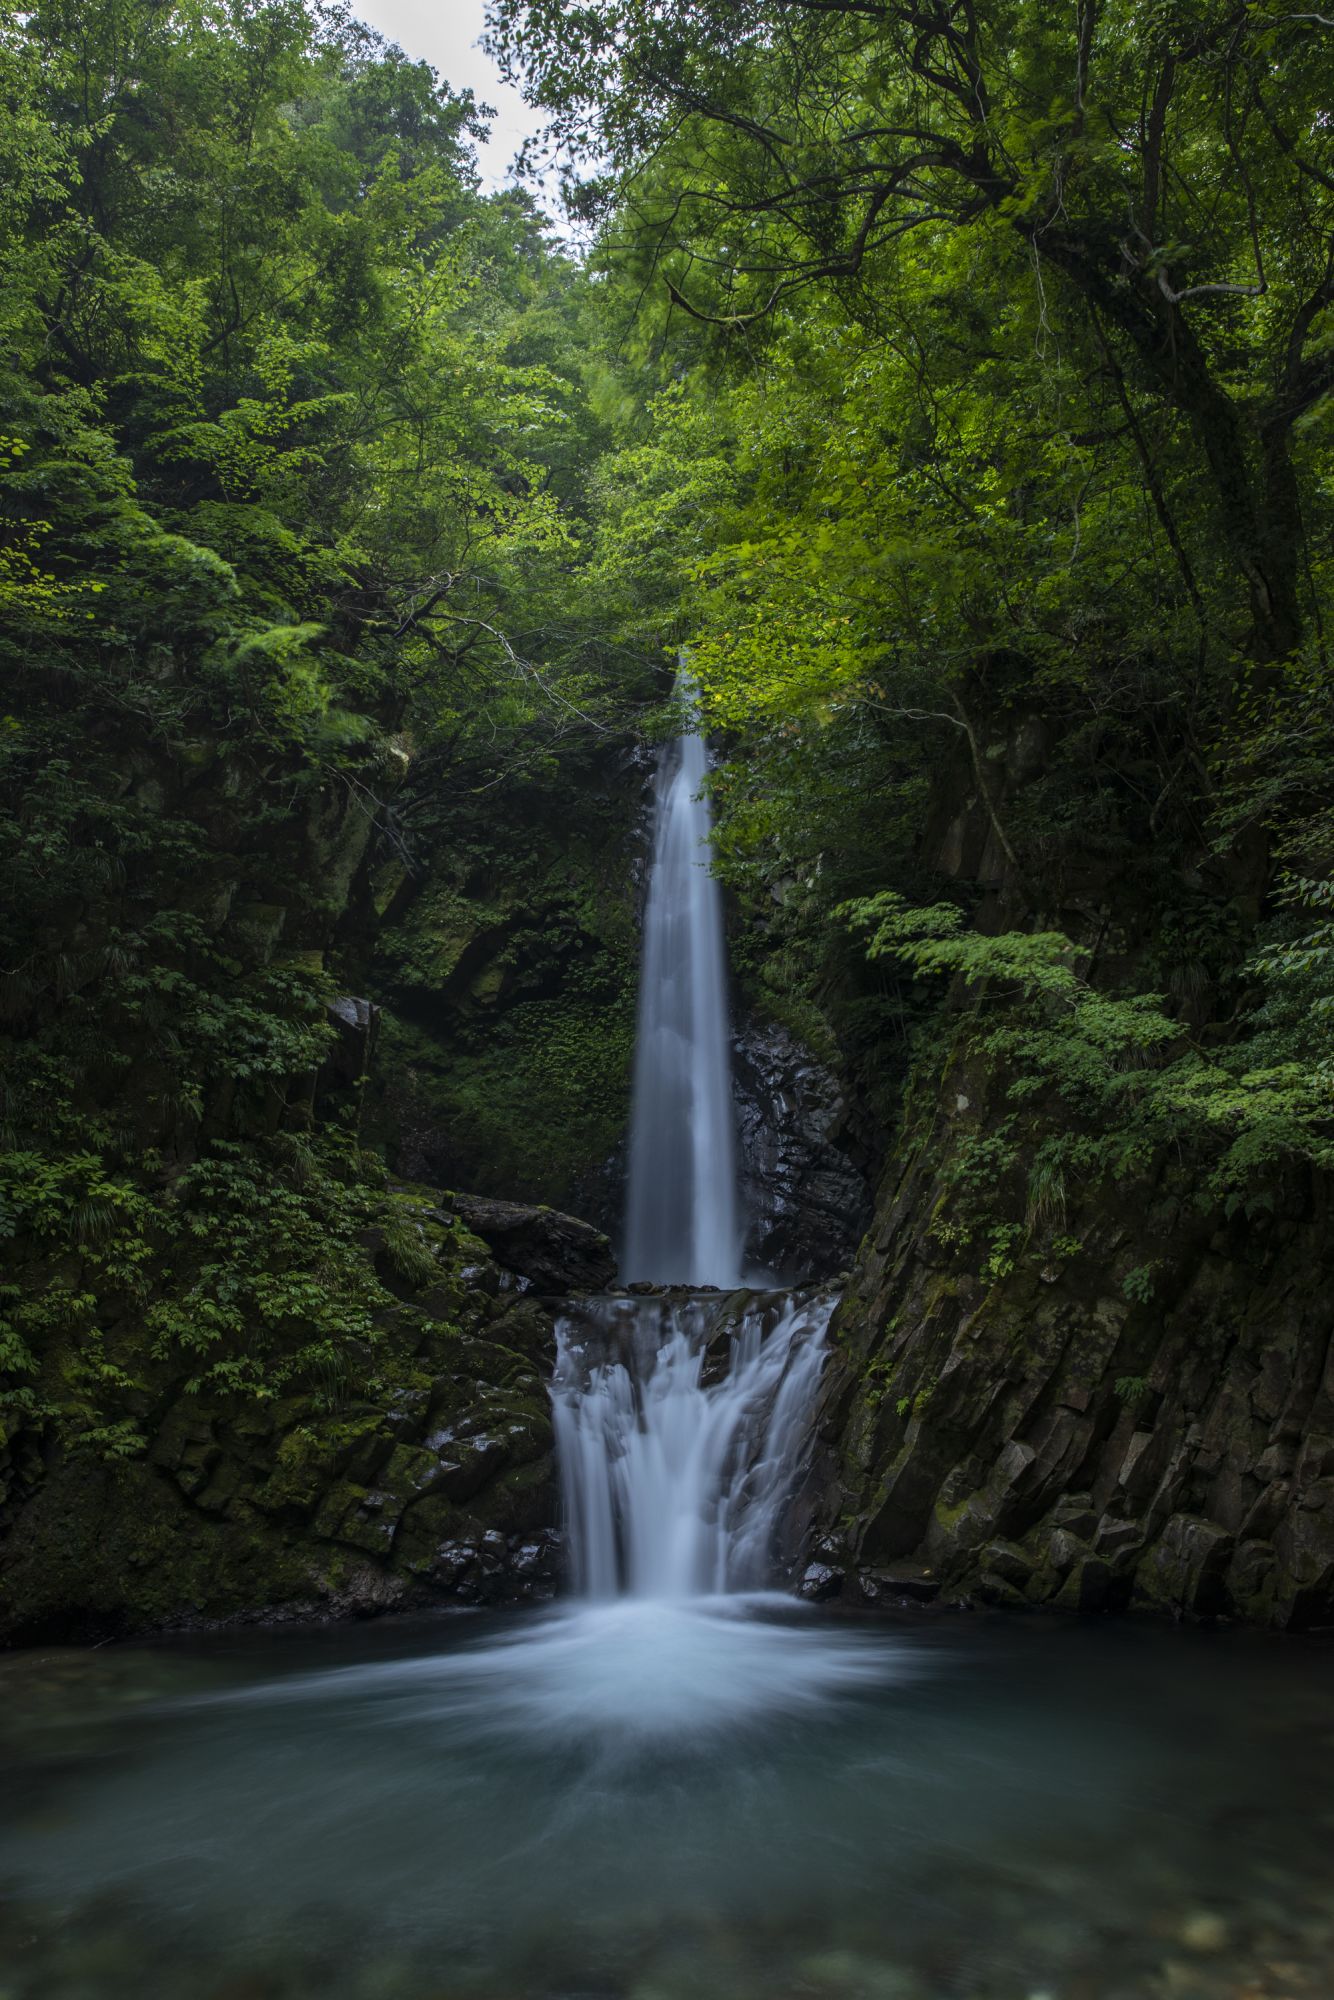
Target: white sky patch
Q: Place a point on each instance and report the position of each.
(445, 33)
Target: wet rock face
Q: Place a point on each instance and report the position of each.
(1067, 1433)
(820, 1582)
(805, 1199)
(555, 1253)
(356, 1026)
(497, 1569)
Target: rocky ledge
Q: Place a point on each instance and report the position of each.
(433, 1482)
(552, 1252)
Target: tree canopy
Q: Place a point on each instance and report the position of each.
(289, 496)
(1007, 339)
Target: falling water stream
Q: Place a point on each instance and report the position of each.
(676, 1460)
(678, 1783)
(681, 1204)
(682, 1417)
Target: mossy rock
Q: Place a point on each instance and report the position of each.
(301, 1502)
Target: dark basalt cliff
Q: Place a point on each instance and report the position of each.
(1137, 1410)
(804, 1196)
(1042, 1438)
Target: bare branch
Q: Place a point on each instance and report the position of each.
(1256, 291)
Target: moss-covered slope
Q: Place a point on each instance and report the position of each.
(425, 1473)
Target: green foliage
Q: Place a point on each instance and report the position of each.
(248, 1274)
(1119, 1073)
(953, 385)
(269, 1282)
(533, 1110)
(292, 433)
(918, 1404)
(511, 976)
(1138, 1285)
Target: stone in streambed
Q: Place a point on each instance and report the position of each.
(1184, 1569)
(1007, 1560)
(991, 1588)
(899, 1580)
(820, 1582)
(1088, 1586)
(454, 1563)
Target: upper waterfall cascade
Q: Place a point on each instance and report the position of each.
(682, 1221)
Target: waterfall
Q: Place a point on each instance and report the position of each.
(681, 1421)
(682, 1226)
(677, 1459)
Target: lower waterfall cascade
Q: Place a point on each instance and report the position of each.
(675, 1473)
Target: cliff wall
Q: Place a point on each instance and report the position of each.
(1111, 1389)
(1140, 1413)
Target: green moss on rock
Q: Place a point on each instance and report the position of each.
(306, 1502)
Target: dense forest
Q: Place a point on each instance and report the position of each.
(950, 383)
